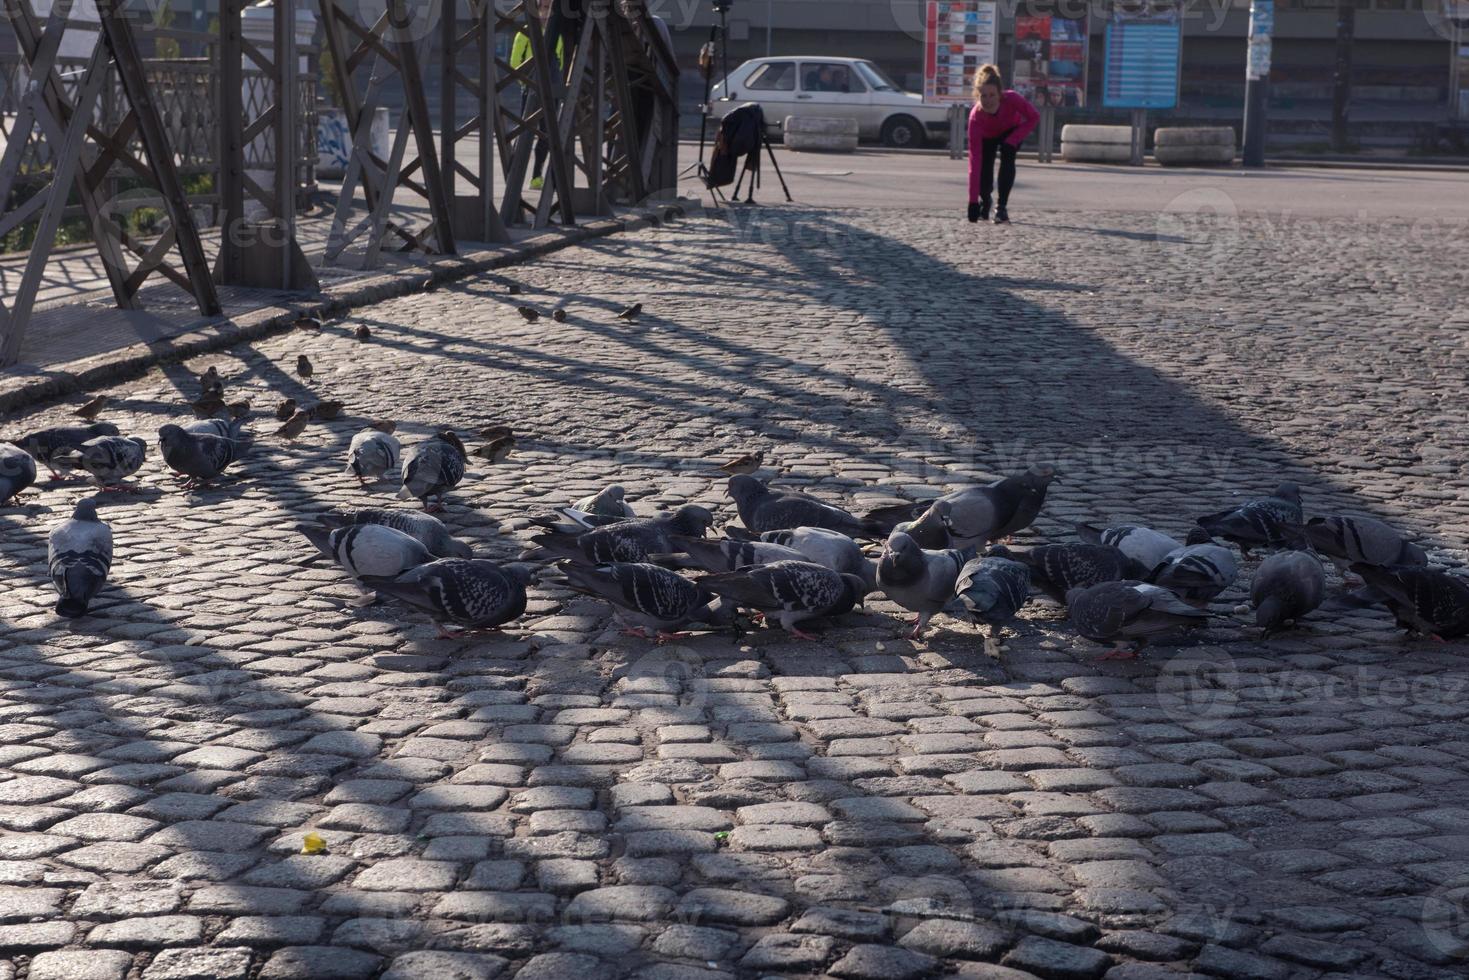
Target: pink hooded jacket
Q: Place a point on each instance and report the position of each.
(1014, 121)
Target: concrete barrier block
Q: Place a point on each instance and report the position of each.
(1204, 155)
(828, 134)
(821, 125)
(1079, 133)
(1073, 152)
(1194, 136)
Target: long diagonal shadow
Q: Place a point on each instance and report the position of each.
(961, 376)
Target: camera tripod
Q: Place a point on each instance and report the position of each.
(719, 34)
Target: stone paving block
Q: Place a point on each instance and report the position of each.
(408, 875)
(561, 876)
(956, 939)
(106, 827)
(246, 900)
(800, 814)
(782, 951)
(367, 818)
(301, 871)
(602, 939)
(624, 903)
(37, 935)
(199, 964)
(209, 835)
(1221, 961)
(319, 963)
(444, 966)
(268, 932)
(148, 932)
(108, 900)
(868, 962)
(92, 964)
(720, 905)
(29, 903)
(1057, 960)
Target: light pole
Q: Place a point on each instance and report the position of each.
(1257, 80)
(1341, 100)
(769, 24)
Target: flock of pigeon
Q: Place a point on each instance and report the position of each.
(792, 559)
(795, 558)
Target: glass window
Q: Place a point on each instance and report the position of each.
(829, 77)
(777, 76)
(876, 77)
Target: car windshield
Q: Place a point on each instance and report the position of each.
(875, 77)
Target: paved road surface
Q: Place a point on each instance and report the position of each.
(564, 801)
(885, 179)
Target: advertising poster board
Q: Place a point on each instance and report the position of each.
(959, 36)
(1051, 59)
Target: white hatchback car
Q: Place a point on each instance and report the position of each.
(823, 86)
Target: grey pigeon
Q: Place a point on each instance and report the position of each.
(629, 541)
(1129, 613)
(571, 521)
(830, 548)
(1056, 569)
(432, 468)
(424, 528)
(1268, 522)
(368, 549)
(790, 591)
(209, 427)
(725, 555)
(607, 503)
(1027, 493)
(199, 456)
(1198, 571)
(980, 515)
(1423, 600)
(45, 443)
(17, 471)
(109, 459)
(1149, 547)
(931, 529)
(646, 596)
(80, 555)
(990, 590)
(371, 454)
(1286, 586)
(474, 593)
(1362, 540)
(920, 581)
(762, 509)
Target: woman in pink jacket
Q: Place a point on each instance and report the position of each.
(998, 124)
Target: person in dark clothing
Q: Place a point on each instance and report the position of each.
(520, 52)
(998, 124)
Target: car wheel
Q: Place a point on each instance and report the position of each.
(902, 132)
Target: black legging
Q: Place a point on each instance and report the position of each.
(987, 168)
(543, 149)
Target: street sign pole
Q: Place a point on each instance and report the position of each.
(1257, 81)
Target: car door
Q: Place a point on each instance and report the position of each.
(831, 89)
(773, 85)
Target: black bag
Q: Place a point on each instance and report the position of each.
(740, 132)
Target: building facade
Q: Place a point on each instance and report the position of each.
(1404, 90)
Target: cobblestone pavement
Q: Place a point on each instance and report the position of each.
(561, 801)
